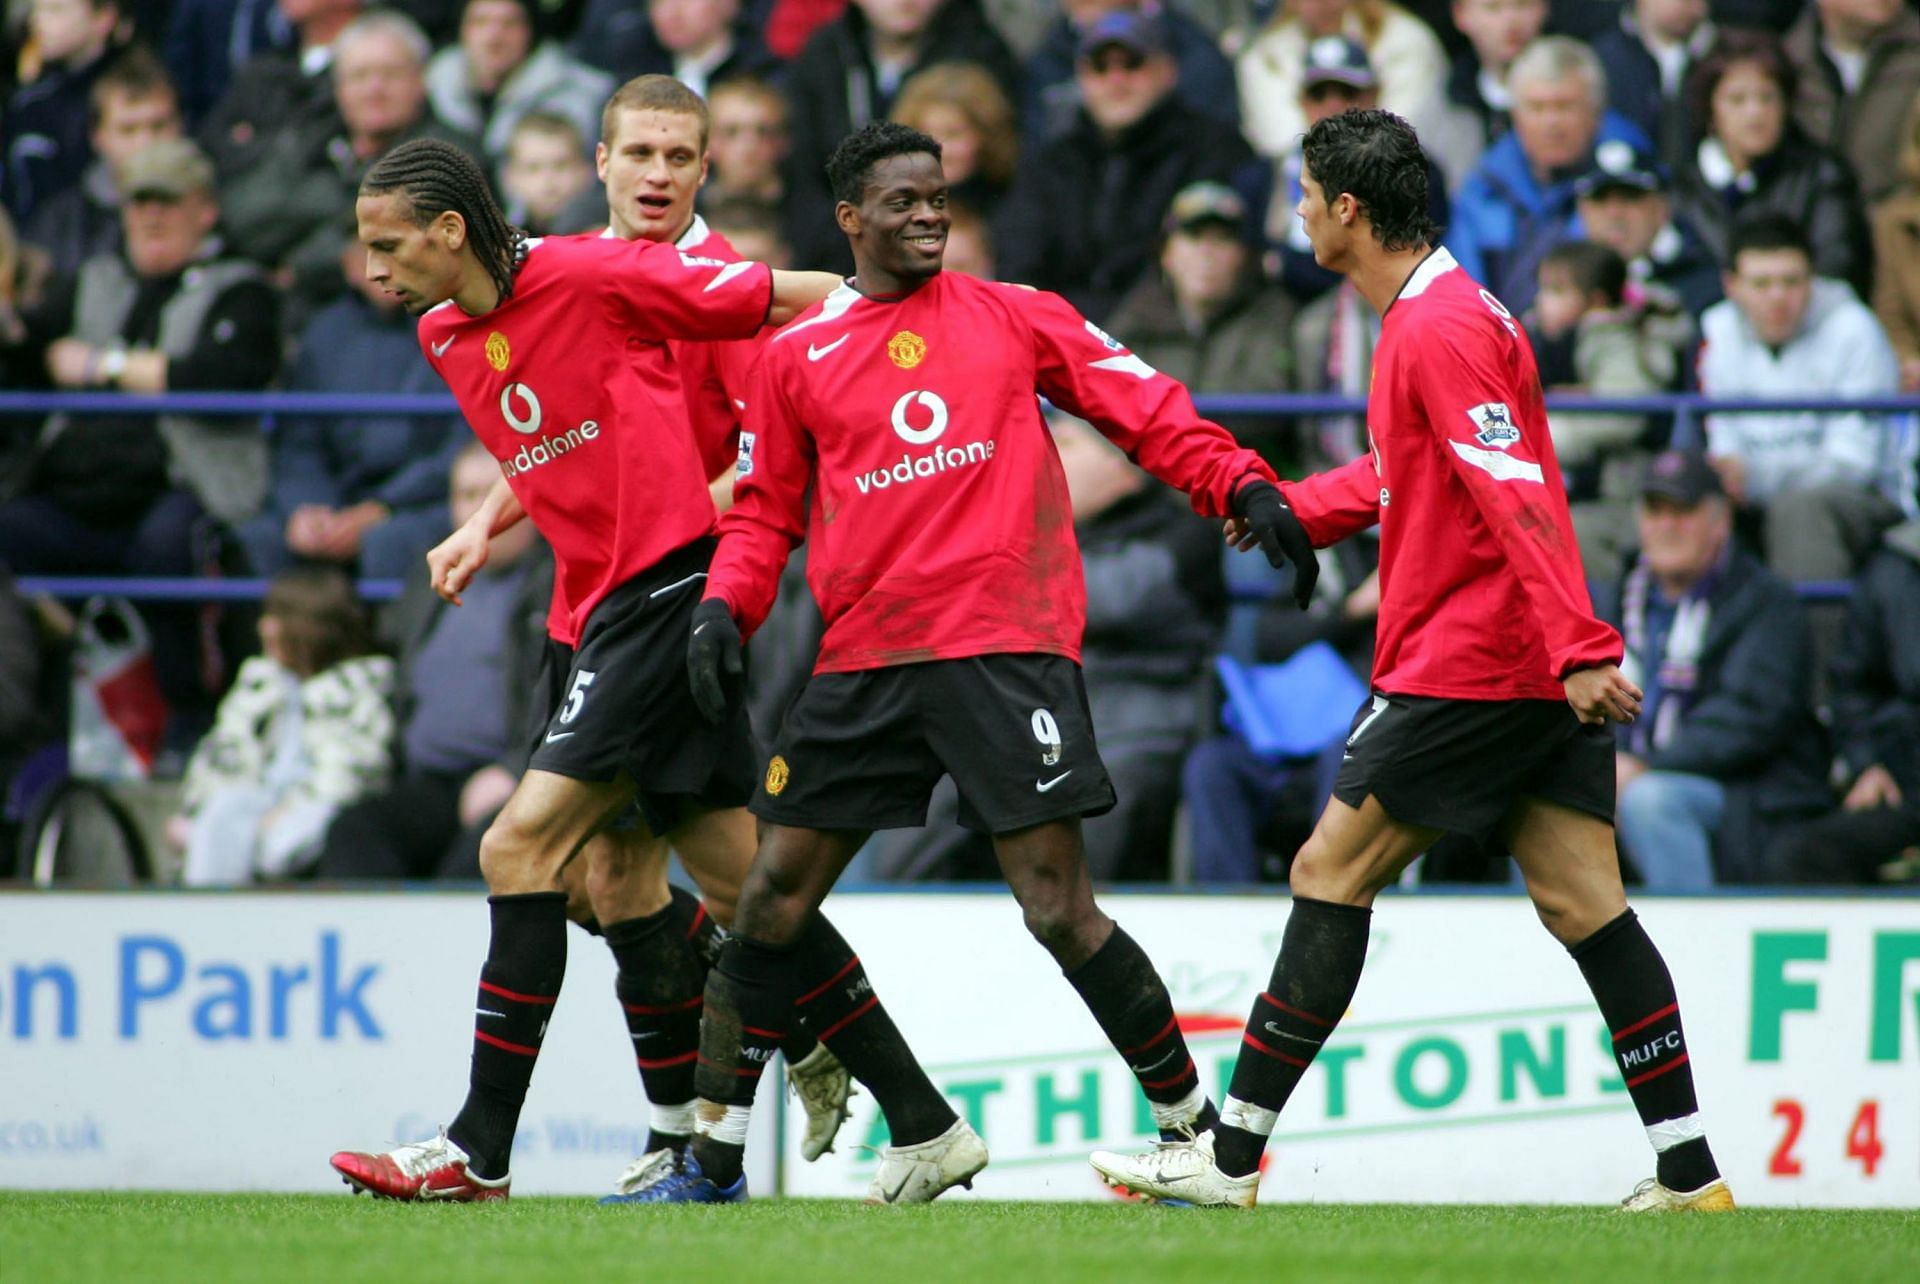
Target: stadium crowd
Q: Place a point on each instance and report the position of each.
(1670, 195)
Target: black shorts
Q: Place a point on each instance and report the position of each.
(1460, 765)
(864, 750)
(620, 701)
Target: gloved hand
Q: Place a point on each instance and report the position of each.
(714, 666)
(1281, 536)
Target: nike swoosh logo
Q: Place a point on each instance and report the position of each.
(557, 735)
(1288, 1034)
(893, 1196)
(440, 349)
(1044, 785)
(489, 1012)
(814, 354)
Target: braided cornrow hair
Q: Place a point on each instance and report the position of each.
(436, 176)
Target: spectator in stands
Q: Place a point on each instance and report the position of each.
(358, 491)
(45, 129)
(124, 494)
(1403, 50)
(754, 232)
(502, 69)
(285, 210)
(749, 158)
(700, 43)
(547, 177)
(305, 730)
(1053, 91)
(208, 40)
(130, 107)
(961, 107)
(1726, 747)
(1479, 102)
(1821, 485)
(1875, 695)
(1084, 217)
(1333, 342)
(1896, 250)
(1753, 158)
(1623, 204)
(1648, 57)
(1858, 65)
(24, 272)
(461, 688)
(278, 88)
(1519, 201)
(1589, 339)
(969, 245)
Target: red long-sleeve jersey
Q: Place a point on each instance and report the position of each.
(1481, 592)
(940, 525)
(714, 375)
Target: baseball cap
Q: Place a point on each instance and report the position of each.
(1338, 58)
(1199, 203)
(1683, 476)
(170, 169)
(1130, 30)
(1617, 163)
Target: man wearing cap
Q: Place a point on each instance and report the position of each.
(1084, 216)
(1622, 203)
(1727, 747)
(1053, 96)
(112, 494)
(502, 68)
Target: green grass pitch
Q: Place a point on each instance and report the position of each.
(108, 1237)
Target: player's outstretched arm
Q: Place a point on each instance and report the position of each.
(795, 292)
(1602, 695)
(453, 562)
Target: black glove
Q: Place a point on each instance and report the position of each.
(714, 667)
(1282, 538)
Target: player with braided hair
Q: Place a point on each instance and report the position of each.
(557, 351)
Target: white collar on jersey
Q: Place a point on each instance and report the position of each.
(695, 235)
(1427, 273)
(834, 307)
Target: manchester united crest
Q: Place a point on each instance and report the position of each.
(776, 776)
(498, 353)
(907, 349)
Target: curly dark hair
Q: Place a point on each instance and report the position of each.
(860, 151)
(436, 177)
(1375, 157)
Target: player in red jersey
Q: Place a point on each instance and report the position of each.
(1493, 685)
(557, 352)
(942, 554)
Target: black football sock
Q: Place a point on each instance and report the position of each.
(661, 980)
(839, 1003)
(748, 1012)
(526, 961)
(1127, 997)
(1313, 980)
(1631, 983)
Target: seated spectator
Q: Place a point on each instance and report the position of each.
(461, 698)
(1588, 339)
(700, 43)
(363, 492)
(207, 41)
(1649, 55)
(131, 107)
(1820, 485)
(969, 245)
(1726, 747)
(1053, 92)
(278, 88)
(1207, 317)
(24, 273)
(1896, 249)
(960, 106)
(1875, 693)
(1403, 50)
(754, 232)
(305, 729)
(129, 494)
(45, 122)
(547, 178)
(502, 69)
(749, 159)
(1519, 201)
(1754, 159)
(1624, 205)
(1857, 65)
(1479, 103)
(1333, 342)
(1084, 216)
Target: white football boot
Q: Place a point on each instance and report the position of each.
(916, 1174)
(1651, 1197)
(1178, 1172)
(646, 1171)
(823, 1085)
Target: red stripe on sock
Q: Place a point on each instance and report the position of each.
(490, 988)
(1185, 1072)
(657, 1009)
(664, 1062)
(502, 1044)
(699, 917)
(775, 1035)
(744, 1072)
(1674, 1064)
(1275, 1053)
(1134, 1052)
(827, 984)
(1296, 1012)
(1644, 1022)
(848, 1019)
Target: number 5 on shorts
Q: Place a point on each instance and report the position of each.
(577, 698)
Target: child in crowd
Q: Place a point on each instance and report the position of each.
(545, 174)
(307, 728)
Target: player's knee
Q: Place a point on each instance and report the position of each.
(772, 906)
(1318, 873)
(1065, 929)
(512, 859)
